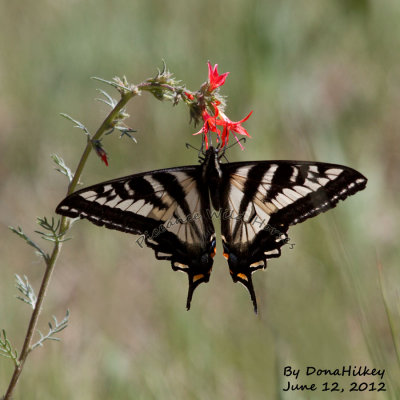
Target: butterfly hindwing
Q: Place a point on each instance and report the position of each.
(169, 208)
(260, 200)
(257, 202)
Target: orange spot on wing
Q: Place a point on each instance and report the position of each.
(242, 276)
(214, 252)
(197, 277)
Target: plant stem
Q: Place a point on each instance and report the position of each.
(103, 127)
(64, 226)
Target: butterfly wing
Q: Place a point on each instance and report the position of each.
(169, 208)
(260, 200)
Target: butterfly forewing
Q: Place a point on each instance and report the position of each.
(260, 200)
(256, 201)
(169, 208)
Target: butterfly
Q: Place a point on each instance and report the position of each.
(256, 202)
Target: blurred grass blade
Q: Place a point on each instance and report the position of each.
(394, 335)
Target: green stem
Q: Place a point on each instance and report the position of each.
(64, 226)
(107, 123)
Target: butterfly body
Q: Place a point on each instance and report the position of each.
(256, 203)
(211, 176)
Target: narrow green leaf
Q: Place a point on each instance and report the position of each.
(29, 241)
(53, 329)
(62, 167)
(77, 124)
(6, 350)
(109, 100)
(25, 288)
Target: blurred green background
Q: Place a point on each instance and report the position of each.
(323, 80)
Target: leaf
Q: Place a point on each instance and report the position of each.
(110, 101)
(125, 131)
(53, 329)
(6, 350)
(121, 85)
(52, 227)
(62, 167)
(77, 124)
(29, 241)
(25, 288)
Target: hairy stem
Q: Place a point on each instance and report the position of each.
(64, 226)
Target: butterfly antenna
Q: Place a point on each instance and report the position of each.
(243, 139)
(189, 146)
(199, 151)
(226, 148)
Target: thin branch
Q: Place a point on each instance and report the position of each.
(56, 231)
(62, 229)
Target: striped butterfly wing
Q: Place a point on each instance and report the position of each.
(169, 208)
(260, 200)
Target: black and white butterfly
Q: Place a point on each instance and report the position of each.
(256, 202)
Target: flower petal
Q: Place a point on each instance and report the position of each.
(214, 79)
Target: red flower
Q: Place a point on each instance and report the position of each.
(210, 124)
(100, 151)
(215, 80)
(103, 157)
(189, 95)
(234, 127)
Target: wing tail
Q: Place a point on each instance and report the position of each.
(195, 281)
(246, 281)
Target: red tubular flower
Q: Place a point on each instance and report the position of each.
(189, 95)
(214, 79)
(100, 151)
(103, 157)
(234, 127)
(210, 124)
